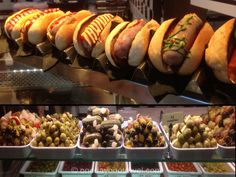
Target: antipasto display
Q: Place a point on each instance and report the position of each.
(101, 129)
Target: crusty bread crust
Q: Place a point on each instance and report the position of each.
(38, 30)
(99, 47)
(64, 36)
(78, 46)
(10, 18)
(195, 56)
(217, 51)
(16, 31)
(140, 43)
(193, 59)
(155, 47)
(109, 41)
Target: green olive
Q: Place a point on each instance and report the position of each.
(197, 137)
(40, 144)
(206, 144)
(190, 123)
(63, 137)
(191, 140)
(213, 142)
(202, 127)
(181, 139)
(194, 130)
(199, 145)
(187, 133)
(191, 146)
(53, 128)
(185, 145)
(57, 141)
(204, 136)
(177, 144)
(48, 140)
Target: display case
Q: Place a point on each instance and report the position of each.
(97, 115)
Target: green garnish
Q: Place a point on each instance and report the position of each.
(177, 44)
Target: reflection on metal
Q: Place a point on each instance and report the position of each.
(140, 93)
(44, 47)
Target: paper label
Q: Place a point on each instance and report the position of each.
(174, 117)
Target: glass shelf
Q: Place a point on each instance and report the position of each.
(123, 157)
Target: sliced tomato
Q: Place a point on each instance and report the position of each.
(232, 67)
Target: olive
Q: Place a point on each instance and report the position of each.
(213, 142)
(206, 144)
(57, 141)
(55, 134)
(204, 136)
(202, 127)
(43, 136)
(38, 137)
(52, 145)
(185, 145)
(191, 140)
(190, 123)
(197, 137)
(194, 130)
(177, 144)
(40, 144)
(149, 125)
(199, 145)
(34, 143)
(62, 129)
(181, 139)
(187, 133)
(191, 146)
(67, 142)
(53, 128)
(48, 140)
(62, 137)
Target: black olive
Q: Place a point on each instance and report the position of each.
(104, 144)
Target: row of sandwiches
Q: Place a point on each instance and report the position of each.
(177, 46)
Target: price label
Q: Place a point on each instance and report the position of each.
(174, 117)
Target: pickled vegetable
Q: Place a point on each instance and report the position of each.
(181, 166)
(42, 166)
(141, 132)
(57, 130)
(216, 167)
(145, 166)
(111, 166)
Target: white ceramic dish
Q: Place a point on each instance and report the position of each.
(154, 153)
(38, 174)
(226, 152)
(189, 153)
(75, 173)
(170, 173)
(208, 174)
(112, 173)
(54, 152)
(142, 173)
(15, 151)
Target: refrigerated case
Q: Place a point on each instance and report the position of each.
(161, 117)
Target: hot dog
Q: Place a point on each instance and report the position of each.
(37, 29)
(60, 31)
(15, 22)
(127, 44)
(90, 34)
(221, 52)
(178, 46)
